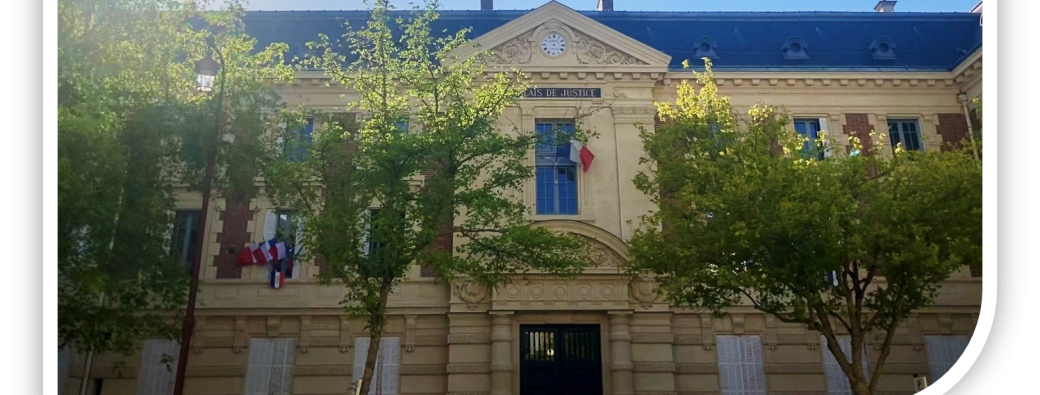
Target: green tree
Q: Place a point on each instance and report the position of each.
(130, 128)
(748, 216)
(474, 172)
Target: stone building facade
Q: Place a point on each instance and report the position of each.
(844, 73)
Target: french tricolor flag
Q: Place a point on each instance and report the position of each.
(276, 249)
(581, 154)
(277, 278)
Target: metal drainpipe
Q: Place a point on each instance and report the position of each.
(963, 99)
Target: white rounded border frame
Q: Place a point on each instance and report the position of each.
(989, 221)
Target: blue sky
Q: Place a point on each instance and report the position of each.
(638, 5)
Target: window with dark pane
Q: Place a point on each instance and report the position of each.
(402, 125)
(556, 176)
(184, 240)
(809, 129)
(296, 147)
(287, 230)
(905, 132)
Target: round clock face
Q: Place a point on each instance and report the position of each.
(554, 45)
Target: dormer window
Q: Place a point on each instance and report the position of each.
(795, 48)
(883, 48)
(705, 47)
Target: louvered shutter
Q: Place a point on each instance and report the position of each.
(943, 352)
(299, 247)
(740, 365)
(360, 352)
(270, 225)
(837, 382)
(63, 368)
(755, 377)
(824, 127)
(282, 359)
(390, 350)
(258, 376)
(154, 377)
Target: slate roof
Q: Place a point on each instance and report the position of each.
(751, 41)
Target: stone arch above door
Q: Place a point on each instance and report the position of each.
(609, 253)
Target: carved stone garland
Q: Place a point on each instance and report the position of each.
(591, 51)
(602, 256)
(514, 51)
(644, 289)
(470, 292)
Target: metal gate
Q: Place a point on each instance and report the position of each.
(560, 360)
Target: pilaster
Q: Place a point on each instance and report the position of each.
(501, 355)
(620, 353)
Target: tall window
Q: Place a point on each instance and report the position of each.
(837, 382)
(943, 352)
(270, 366)
(810, 129)
(287, 227)
(386, 377)
(556, 176)
(906, 132)
(158, 367)
(741, 370)
(296, 149)
(184, 240)
(402, 125)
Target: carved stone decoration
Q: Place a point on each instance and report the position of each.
(468, 367)
(409, 332)
(196, 337)
(274, 325)
(770, 335)
(914, 326)
(946, 323)
(644, 289)
(345, 337)
(305, 333)
(515, 51)
(738, 323)
(240, 334)
(602, 256)
(812, 339)
(707, 331)
(470, 292)
(592, 51)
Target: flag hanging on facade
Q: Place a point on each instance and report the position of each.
(245, 257)
(277, 279)
(581, 154)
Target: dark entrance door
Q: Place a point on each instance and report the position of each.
(560, 360)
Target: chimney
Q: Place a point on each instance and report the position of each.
(885, 6)
(605, 5)
(487, 5)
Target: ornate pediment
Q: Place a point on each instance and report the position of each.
(582, 42)
(592, 51)
(584, 49)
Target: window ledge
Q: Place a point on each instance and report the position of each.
(554, 217)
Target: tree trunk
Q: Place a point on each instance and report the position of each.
(860, 388)
(376, 324)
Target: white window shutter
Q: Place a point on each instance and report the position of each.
(390, 349)
(755, 380)
(367, 224)
(299, 247)
(283, 358)
(741, 371)
(154, 377)
(360, 352)
(824, 127)
(270, 225)
(943, 352)
(63, 368)
(258, 376)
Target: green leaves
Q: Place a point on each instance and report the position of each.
(744, 219)
(131, 128)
